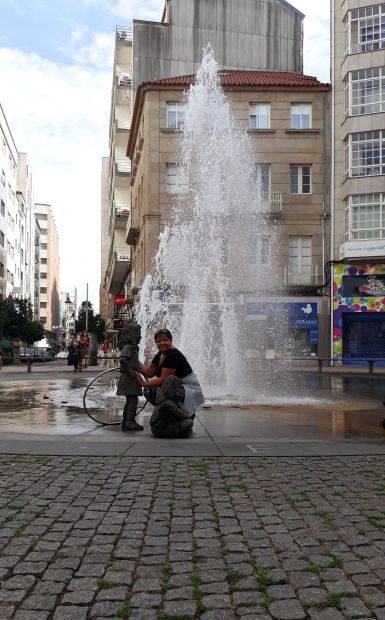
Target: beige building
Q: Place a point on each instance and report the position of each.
(49, 268)
(116, 170)
(287, 117)
(267, 34)
(358, 184)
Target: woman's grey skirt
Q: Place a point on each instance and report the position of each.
(193, 395)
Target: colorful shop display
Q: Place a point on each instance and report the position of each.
(359, 312)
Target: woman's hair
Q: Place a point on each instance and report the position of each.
(163, 332)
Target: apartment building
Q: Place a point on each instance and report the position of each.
(26, 227)
(49, 307)
(9, 211)
(267, 34)
(287, 117)
(116, 171)
(358, 187)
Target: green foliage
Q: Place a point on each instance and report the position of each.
(96, 324)
(17, 322)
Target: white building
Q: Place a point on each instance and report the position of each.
(9, 211)
(49, 267)
(26, 228)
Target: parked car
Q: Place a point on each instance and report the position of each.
(61, 355)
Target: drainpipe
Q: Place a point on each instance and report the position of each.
(332, 168)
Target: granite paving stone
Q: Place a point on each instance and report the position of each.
(104, 537)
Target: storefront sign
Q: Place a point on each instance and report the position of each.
(119, 300)
(298, 311)
(360, 249)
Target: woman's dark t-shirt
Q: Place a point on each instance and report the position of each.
(174, 359)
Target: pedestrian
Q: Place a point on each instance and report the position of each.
(84, 347)
(73, 357)
(175, 391)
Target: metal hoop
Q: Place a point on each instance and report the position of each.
(85, 396)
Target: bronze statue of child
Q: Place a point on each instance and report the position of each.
(127, 383)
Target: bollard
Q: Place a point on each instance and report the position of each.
(320, 365)
(29, 366)
(371, 364)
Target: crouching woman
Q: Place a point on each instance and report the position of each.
(175, 391)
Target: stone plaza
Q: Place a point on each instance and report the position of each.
(264, 520)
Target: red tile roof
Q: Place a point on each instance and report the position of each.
(229, 79)
(238, 78)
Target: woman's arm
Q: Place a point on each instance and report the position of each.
(166, 372)
(147, 371)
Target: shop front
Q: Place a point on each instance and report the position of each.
(359, 312)
(283, 330)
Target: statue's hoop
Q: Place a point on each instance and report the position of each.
(106, 417)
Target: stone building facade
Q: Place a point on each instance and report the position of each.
(287, 117)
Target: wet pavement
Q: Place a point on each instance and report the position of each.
(303, 415)
(96, 523)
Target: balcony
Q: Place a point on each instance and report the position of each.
(132, 230)
(120, 267)
(272, 203)
(308, 275)
(123, 167)
(124, 35)
(123, 79)
(123, 124)
(120, 214)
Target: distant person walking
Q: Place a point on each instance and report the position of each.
(73, 353)
(84, 347)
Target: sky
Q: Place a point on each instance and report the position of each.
(56, 59)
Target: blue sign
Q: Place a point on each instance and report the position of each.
(295, 310)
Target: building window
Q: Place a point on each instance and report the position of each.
(3, 177)
(176, 179)
(2, 270)
(365, 29)
(365, 216)
(259, 250)
(259, 115)
(365, 154)
(299, 255)
(176, 113)
(2, 208)
(301, 117)
(263, 177)
(300, 179)
(365, 91)
(224, 250)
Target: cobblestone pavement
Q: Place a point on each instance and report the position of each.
(214, 538)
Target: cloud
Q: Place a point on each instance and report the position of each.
(98, 52)
(59, 115)
(316, 37)
(138, 9)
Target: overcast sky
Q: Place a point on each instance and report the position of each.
(56, 61)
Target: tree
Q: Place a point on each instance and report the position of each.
(16, 320)
(3, 318)
(96, 324)
(31, 331)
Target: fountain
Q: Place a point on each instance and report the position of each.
(207, 258)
